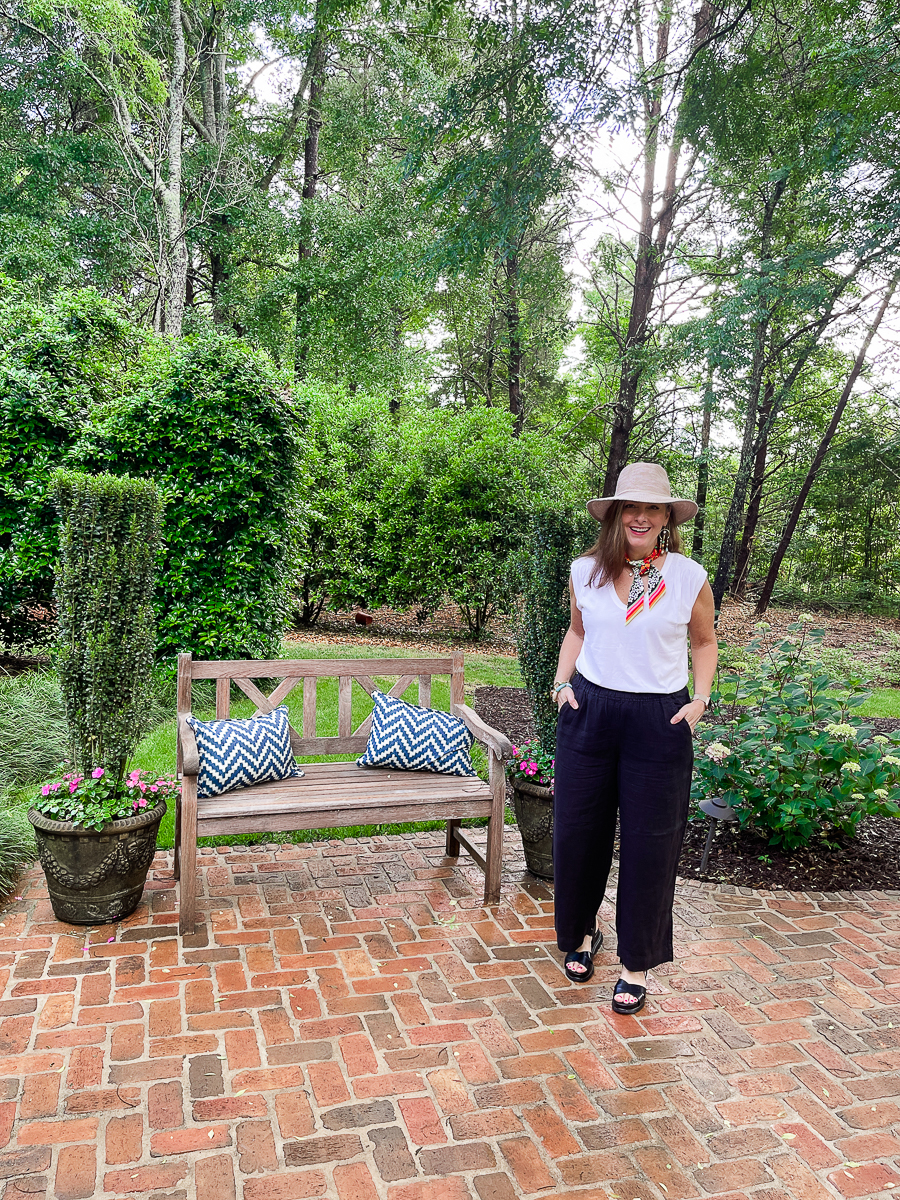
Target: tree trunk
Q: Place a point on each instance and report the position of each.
(751, 520)
(170, 194)
(310, 186)
(515, 346)
(748, 443)
(703, 471)
(651, 252)
(821, 451)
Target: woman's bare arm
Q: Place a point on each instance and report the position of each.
(569, 651)
(704, 654)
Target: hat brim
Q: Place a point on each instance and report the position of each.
(683, 510)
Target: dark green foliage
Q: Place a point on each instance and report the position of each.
(208, 425)
(347, 445)
(58, 362)
(455, 508)
(555, 537)
(109, 537)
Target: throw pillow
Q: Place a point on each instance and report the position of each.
(410, 738)
(236, 753)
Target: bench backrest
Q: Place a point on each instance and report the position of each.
(293, 672)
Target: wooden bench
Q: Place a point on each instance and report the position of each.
(334, 794)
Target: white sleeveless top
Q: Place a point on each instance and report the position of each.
(650, 653)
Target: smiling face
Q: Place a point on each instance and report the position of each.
(641, 524)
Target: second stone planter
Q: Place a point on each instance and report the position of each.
(533, 806)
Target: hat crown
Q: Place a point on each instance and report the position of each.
(643, 479)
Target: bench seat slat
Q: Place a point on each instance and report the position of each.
(273, 821)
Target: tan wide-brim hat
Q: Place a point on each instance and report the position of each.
(648, 484)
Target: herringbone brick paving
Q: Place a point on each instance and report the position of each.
(350, 1023)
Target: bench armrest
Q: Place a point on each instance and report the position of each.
(190, 755)
(498, 742)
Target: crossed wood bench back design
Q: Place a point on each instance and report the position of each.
(334, 794)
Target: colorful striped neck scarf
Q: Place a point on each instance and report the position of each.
(656, 585)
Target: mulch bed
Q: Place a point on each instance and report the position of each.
(870, 860)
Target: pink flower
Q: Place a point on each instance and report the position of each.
(153, 787)
(135, 775)
(54, 787)
(142, 786)
(73, 786)
(129, 783)
(97, 773)
(45, 790)
(142, 803)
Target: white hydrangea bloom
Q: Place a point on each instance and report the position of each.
(717, 751)
(853, 767)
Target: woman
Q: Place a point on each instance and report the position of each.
(626, 722)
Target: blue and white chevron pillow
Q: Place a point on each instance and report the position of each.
(409, 738)
(236, 753)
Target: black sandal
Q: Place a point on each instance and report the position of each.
(633, 989)
(585, 958)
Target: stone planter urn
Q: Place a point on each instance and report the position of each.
(533, 805)
(96, 877)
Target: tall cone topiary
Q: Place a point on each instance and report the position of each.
(554, 537)
(109, 536)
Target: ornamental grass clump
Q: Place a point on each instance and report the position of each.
(787, 753)
(109, 538)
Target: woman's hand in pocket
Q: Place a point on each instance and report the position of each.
(566, 696)
(691, 713)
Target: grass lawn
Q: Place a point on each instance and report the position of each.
(157, 750)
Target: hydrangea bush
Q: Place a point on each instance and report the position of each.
(787, 753)
(96, 799)
(531, 764)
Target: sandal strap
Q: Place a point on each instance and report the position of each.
(579, 956)
(633, 989)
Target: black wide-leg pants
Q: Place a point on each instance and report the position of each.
(618, 752)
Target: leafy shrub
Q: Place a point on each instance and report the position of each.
(60, 360)
(790, 757)
(104, 594)
(208, 425)
(554, 538)
(347, 445)
(33, 730)
(454, 510)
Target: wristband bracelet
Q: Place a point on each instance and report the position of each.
(704, 699)
(558, 687)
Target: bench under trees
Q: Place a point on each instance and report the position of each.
(334, 794)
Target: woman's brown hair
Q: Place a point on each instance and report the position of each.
(610, 550)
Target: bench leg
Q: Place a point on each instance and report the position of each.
(452, 848)
(177, 863)
(494, 851)
(187, 899)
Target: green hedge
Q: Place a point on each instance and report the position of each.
(210, 427)
(60, 361)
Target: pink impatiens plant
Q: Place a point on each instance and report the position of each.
(96, 799)
(531, 764)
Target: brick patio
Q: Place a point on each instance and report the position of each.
(351, 1024)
